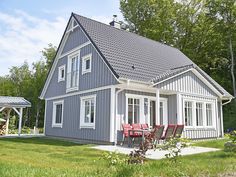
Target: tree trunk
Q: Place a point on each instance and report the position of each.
(37, 115)
(232, 64)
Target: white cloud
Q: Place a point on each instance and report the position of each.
(23, 36)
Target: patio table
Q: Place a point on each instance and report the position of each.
(143, 131)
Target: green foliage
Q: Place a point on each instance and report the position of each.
(50, 157)
(174, 147)
(113, 158)
(200, 29)
(230, 146)
(28, 83)
(232, 136)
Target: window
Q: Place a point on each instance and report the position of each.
(61, 73)
(57, 114)
(73, 72)
(209, 114)
(86, 63)
(88, 112)
(199, 114)
(188, 115)
(133, 110)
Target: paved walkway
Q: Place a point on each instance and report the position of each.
(157, 154)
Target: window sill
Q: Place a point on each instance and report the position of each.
(86, 71)
(57, 126)
(72, 89)
(61, 80)
(88, 126)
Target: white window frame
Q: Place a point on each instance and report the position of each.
(140, 108)
(145, 118)
(69, 63)
(60, 68)
(212, 114)
(54, 124)
(199, 100)
(84, 59)
(82, 112)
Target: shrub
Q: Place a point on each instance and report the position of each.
(230, 146)
(174, 147)
(113, 158)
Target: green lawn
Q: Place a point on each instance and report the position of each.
(49, 157)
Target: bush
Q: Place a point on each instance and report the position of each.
(24, 130)
(230, 146)
(113, 158)
(174, 147)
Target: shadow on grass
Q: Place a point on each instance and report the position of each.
(41, 141)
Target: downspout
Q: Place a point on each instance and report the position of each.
(222, 126)
(116, 111)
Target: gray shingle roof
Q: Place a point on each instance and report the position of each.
(6, 101)
(123, 51)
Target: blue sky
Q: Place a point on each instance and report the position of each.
(27, 26)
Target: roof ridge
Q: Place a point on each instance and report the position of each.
(125, 31)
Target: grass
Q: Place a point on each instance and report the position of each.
(49, 157)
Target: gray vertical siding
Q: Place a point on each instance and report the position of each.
(99, 76)
(75, 38)
(71, 119)
(187, 83)
(56, 88)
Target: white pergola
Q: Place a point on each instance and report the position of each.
(7, 104)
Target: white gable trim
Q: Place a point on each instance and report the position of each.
(59, 55)
(199, 75)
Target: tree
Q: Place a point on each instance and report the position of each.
(28, 83)
(203, 30)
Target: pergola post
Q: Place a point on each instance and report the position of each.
(157, 107)
(20, 121)
(7, 121)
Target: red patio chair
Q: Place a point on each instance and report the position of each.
(144, 126)
(178, 131)
(159, 132)
(126, 128)
(169, 132)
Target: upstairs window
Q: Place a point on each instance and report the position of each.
(61, 73)
(73, 72)
(57, 118)
(86, 63)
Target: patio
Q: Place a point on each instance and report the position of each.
(155, 154)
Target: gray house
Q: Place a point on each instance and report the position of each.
(103, 76)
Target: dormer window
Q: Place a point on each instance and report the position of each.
(61, 73)
(86, 63)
